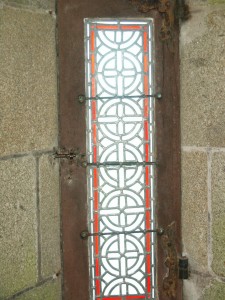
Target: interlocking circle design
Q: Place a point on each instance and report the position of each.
(122, 211)
(120, 134)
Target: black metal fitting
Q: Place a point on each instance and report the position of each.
(81, 98)
(84, 234)
(183, 268)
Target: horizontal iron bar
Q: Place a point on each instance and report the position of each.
(80, 159)
(85, 234)
(125, 163)
(83, 98)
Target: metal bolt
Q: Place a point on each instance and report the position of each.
(158, 96)
(84, 234)
(84, 164)
(81, 98)
(160, 231)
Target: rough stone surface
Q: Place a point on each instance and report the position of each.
(216, 291)
(49, 216)
(195, 208)
(49, 291)
(202, 78)
(40, 4)
(194, 286)
(217, 1)
(28, 90)
(204, 2)
(218, 213)
(202, 54)
(18, 240)
(196, 2)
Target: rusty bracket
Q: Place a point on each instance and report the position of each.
(169, 9)
(166, 9)
(171, 261)
(72, 155)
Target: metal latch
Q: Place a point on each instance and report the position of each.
(81, 160)
(72, 155)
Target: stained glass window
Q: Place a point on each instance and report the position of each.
(120, 149)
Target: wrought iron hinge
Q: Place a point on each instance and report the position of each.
(72, 155)
(166, 8)
(171, 262)
(170, 10)
(177, 267)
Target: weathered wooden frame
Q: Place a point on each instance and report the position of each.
(72, 136)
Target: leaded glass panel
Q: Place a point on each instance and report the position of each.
(120, 131)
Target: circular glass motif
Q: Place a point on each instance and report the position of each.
(120, 119)
(122, 210)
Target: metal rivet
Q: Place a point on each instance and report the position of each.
(160, 231)
(81, 98)
(84, 164)
(84, 234)
(158, 95)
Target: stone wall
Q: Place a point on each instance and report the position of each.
(203, 148)
(29, 186)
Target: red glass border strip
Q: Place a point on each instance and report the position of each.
(117, 27)
(95, 171)
(107, 27)
(123, 297)
(146, 154)
(130, 27)
(147, 169)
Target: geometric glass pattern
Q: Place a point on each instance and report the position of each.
(120, 134)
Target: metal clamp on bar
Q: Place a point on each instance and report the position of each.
(183, 268)
(83, 98)
(86, 234)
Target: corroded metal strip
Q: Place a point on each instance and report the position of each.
(171, 262)
(166, 9)
(170, 11)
